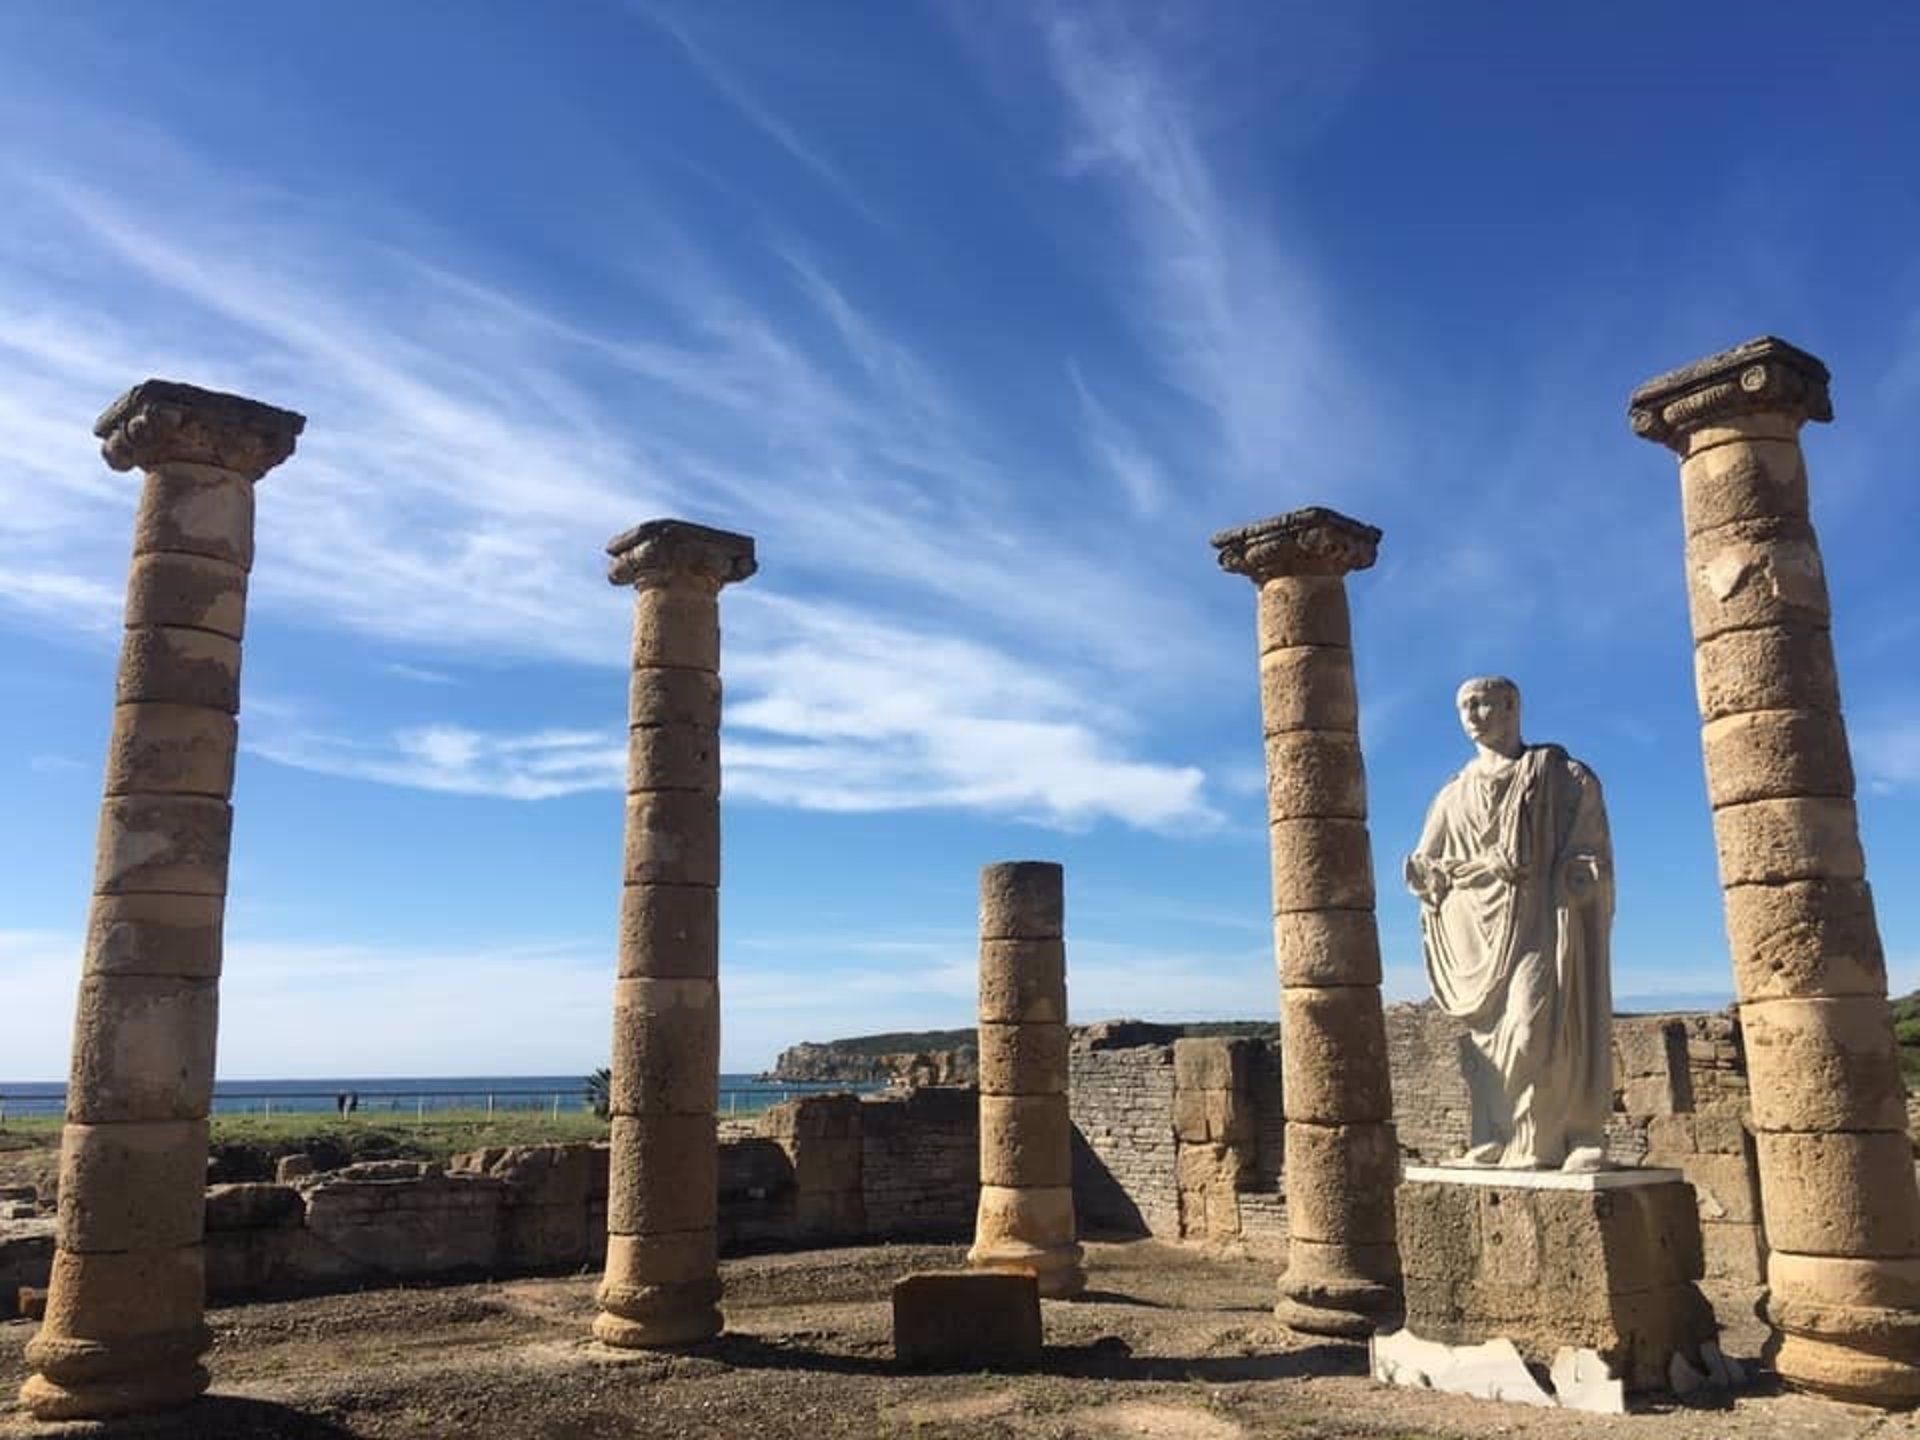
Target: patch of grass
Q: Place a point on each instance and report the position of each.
(436, 1137)
(1906, 1030)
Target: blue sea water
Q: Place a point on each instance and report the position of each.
(739, 1094)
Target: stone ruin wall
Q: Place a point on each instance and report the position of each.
(1179, 1139)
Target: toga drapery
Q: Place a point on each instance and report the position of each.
(1518, 957)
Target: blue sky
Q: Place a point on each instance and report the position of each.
(981, 319)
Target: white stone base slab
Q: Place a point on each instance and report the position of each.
(1542, 1179)
(1494, 1370)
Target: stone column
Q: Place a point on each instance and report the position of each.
(1026, 1138)
(124, 1328)
(1836, 1167)
(663, 1277)
(1343, 1267)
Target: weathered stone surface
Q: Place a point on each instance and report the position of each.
(657, 552)
(1023, 1059)
(1315, 774)
(676, 625)
(1215, 1117)
(166, 423)
(1769, 842)
(255, 1206)
(1776, 755)
(1213, 1062)
(650, 1317)
(1321, 865)
(1308, 687)
(1805, 939)
(663, 695)
(684, 1257)
(966, 1320)
(1310, 541)
(1046, 1215)
(1334, 1055)
(1029, 1230)
(672, 837)
(169, 664)
(670, 932)
(674, 756)
(1824, 1065)
(417, 1226)
(1023, 982)
(1022, 900)
(1763, 387)
(294, 1167)
(142, 1049)
(138, 1295)
(1339, 1288)
(1303, 610)
(664, 1174)
(1840, 1194)
(1327, 947)
(1752, 480)
(1754, 575)
(176, 844)
(132, 1187)
(155, 935)
(1340, 1183)
(1025, 1140)
(196, 510)
(1778, 668)
(171, 749)
(189, 590)
(666, 1047)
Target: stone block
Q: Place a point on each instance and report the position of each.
(132, 1187)
(674, 756)
(196, 510)
(1776, 755)
(1734, 1253)
(155, 935)
(255, 1206)
(194, 591)
(428, 1225)
(1757, 480)
(673, 838)
(1334, 1056)
(1212, 1116)
(834, 1116)
(1753, 575)
(1769, 842)
(31, 1302)
(666, 1047)
(966, 1320)
(1023, 1059)
(1340, 1183)
(1022, 900)
(829, 1214)
(1804, 939)
(665, 1174)
(1321, 865)
(140, 1293)
(1023, 982)
(1824, 1065)
(1214, 1062)
(1025, 1141)
(670, 932)
(685, 1257)
(1308, 687)
(171, 750)
(294, 1167)
(662, 695)
(172, 843)
(1043, 1217)
(143, 1049)
(1303, 610)
(1327, 947)
(1780, 668)
(1315, 774)
(1725, 1185)
(1841, 1194)
(1847, 1282)
(676, 625)
(171, 665)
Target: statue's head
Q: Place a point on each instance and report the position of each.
(1489, 707)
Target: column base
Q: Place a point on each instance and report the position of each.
(1057, 1269)
(658, 1332)
(1839, 1371)
(1849, 1326)
(1347, 1292)
(115, 1395)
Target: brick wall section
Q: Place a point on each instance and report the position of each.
(920, 1161)
(1125, 1163)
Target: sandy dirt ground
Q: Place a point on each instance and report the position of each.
(1169, 1344)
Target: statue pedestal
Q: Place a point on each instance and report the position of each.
(1546, 1260)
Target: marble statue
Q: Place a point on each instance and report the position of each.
(1514, 872)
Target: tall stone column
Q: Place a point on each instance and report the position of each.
(124, 1327)
(1026, 1138)
(663, 1275)
(1343, 1266)
(1836, 1167)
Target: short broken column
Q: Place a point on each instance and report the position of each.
(1837, 1188)
(1342, 1163)
(1026, 1138)
(125, 1327)
(662, 1281)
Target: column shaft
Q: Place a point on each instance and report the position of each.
(662, 1283)
(124, 1327)
(1025, 1220)
(1837, 1185)
(1342, 1162)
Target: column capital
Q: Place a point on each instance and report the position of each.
(669, 550)
(1313, 541)
(159, 422)
(1765, 376)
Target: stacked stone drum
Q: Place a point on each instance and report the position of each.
(1829, 1108)
(1026, 1138)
